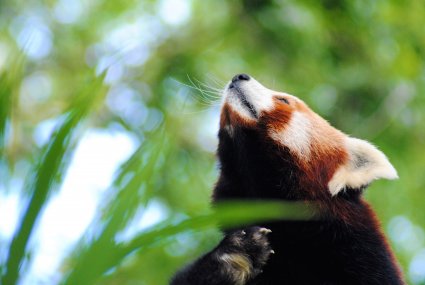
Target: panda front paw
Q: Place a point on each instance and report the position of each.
(245, 252)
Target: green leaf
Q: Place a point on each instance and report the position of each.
(9, 83)
(104, 255)
(126, 198)
(50, 166)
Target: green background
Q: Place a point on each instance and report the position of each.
(359, 64)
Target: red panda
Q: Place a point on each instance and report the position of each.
(273, 146)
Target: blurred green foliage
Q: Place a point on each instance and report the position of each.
(151, 69)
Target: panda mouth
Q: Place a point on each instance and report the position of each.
(245, 101)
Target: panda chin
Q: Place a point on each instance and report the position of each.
(248, 105)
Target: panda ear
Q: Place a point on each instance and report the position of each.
(365, 164)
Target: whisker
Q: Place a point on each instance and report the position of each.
(219, 83)
(205, 93)
(208, 86)
(195, 112)
(212, 90)
(191, 87)
(205, 98)
(194, 84)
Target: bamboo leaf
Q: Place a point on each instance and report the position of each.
(229, 214)
(8, 87)
(49, 167)
(5, 107)
(126, 199)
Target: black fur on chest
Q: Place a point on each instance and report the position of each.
(327, 252)
(343, 246)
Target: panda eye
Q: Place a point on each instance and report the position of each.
(283, 100)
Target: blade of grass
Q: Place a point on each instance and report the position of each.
(127, 199)
(5, 107)
(226, 214)
(9, 82)
(138, 190)
(46, 173)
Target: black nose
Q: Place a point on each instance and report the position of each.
(241, 76)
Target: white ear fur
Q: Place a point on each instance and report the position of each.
(366, 163)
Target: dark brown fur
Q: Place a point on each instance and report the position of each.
(342, 245)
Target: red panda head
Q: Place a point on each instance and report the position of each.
(265, 133)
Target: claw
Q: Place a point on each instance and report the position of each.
(265, 231)
(272, 251)
(243, 232)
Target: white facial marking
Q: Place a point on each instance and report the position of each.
(256, 94)
(237, 105)
(366, 163)
(296, 135)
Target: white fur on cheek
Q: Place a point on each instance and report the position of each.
(296, 135)
(259, 96)
(237, 105)
(366, 163)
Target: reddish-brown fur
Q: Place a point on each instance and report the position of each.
(230, 117)
(277, 148)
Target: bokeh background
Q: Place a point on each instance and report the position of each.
(109, 113)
